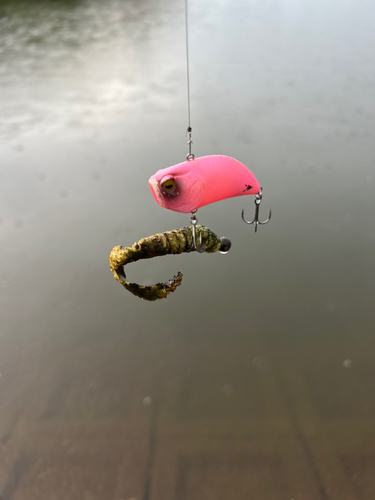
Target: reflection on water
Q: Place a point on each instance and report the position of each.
(75, 63)
(255, 379)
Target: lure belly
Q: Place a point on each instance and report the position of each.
(200, 181)
(171, 242)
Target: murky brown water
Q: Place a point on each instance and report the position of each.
(255, 380)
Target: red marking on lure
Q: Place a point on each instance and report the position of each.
(195, 183)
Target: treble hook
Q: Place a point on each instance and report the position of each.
(193, 222)
(258, 199)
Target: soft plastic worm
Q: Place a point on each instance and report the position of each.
(171, 242)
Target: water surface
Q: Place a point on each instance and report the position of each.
(256, 378)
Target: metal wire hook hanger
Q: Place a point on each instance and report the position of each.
(190, 156)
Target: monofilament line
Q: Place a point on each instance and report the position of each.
(187, 61)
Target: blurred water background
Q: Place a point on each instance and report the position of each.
(92, 102)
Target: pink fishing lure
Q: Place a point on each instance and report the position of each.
(195, 183)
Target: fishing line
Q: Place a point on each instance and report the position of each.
(189, 156)
(187, 62)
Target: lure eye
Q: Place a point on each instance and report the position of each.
(169, 185)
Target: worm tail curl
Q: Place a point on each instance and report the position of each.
(171, 242)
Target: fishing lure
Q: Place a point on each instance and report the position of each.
(171, 242)
(185, 188)
(200, 181)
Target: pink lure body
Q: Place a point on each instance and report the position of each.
(199, 182)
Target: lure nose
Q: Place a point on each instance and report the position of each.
(153, 183)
